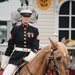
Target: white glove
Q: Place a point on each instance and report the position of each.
(4, 61)
(30, 56)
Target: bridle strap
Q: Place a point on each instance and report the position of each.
(51, 57)
(28, 69)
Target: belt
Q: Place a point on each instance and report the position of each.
(22, 49)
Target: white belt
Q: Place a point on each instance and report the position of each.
(22, 49)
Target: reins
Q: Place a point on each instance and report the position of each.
(28, 69)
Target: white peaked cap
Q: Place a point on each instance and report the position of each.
(25, 9)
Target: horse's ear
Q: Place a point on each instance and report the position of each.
(63, 40)
(54, 44)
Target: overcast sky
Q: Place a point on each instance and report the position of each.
(7, 7)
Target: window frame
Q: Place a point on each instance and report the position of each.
(70, 16)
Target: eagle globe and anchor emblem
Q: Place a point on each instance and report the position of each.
(43, 4)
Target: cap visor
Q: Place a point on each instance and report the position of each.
(26, 14)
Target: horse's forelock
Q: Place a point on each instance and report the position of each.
(63, 48)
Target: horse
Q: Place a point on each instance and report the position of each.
(54, 56)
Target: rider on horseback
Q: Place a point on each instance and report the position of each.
(24, 39)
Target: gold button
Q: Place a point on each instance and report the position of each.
(24, 45)
(24, 42)
(24, 28)
(24, 34)
(24, 38)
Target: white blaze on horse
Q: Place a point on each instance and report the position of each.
(54, 57)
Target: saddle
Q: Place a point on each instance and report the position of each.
(16, 72)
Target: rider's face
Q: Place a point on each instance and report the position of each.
(25, 20)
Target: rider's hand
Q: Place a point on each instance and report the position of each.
(35, 51)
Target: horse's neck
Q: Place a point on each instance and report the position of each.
(39, 63)
(38, 66)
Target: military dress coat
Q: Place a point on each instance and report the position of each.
(22, 37)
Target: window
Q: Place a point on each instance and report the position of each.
(3, 31)
(66, 27)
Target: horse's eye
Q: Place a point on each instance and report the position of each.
(58, 58)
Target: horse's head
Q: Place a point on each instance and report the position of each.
(58, 60)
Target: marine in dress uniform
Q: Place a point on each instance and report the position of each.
(23, 40)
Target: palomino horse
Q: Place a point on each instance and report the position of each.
(54, 57)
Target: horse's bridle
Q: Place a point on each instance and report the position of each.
(51, 59)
